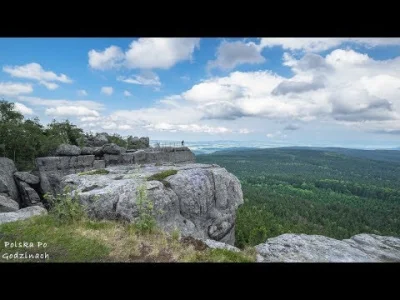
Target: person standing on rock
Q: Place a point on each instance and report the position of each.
(183, 143)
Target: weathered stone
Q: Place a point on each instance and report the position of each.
(112, 159)
(98, 151)
(113, 149)
(7, 183)
(7, 204)
(52, 169)
(140, 157)
(22, 214)
(99, 164)
(29, 197)
(68, 150)
(317, 248)
(87, 150)
(138, 143)
(218, 245)
(27, 177)
(187, 200)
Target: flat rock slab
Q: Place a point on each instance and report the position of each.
(317, 248)
(22, 214)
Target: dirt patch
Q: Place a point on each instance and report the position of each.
(197, 244)
(164, 255)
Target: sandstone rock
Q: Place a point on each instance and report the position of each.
(218, 245)
(27, 177)
(7, 183)
(7, 204)
(200, 200)
(29, 197)
(113, 149)
(52, 169)
(99, 164)
(87, 150)
(22, 214)
(317, 248)
(68, 150)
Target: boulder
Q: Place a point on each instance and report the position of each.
(138, 143)
(188, 200)
(27, 177)
(52, 169)
(113, 149)
(218, 245)
(7, 204)
(29, 197)
(317, 248)
(7, 183)
(87, 150)
(68, 150)
(98, 151)
(96, 141)
(99, 164)
(22, 214)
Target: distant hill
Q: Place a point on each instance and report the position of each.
(379, 155)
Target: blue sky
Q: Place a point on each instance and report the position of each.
(298, 91)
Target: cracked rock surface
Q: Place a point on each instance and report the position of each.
(200, 200)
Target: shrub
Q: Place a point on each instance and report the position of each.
(146, 222)
(66, 208)
(95, 172)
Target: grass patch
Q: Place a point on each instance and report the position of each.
(105, 241)
(223, 255)
(95, 172)
(162, 175)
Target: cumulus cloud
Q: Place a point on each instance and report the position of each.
(82, 93)
(71, 111)
(111, 57)
(15, 88)
(127, 93)
(107, 90)
(231, 54)
(145, 78)
(160, 53)
(323, 44)
(23, 109)
(145, 53)
(35, 71)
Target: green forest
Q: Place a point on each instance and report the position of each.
(313, 192)
(22, 140)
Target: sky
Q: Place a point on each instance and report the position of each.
(298, 91)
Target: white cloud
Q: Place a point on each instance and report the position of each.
(71, 111)
(145, 53)
(322, 44)
(107, 90)
(34, 71)
(232, 54)
(145, 78)
(160, 53)
(111, 57)
(127, 93)
(14, 88)
(82, 93)
(49, 85)
(36, 101)
(245, 131)
(23, 109)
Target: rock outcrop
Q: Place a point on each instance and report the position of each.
(52, 169)
(97, 141)
(138, 143)
(29, 197)
(27, 177)
(7, 183)
(199, 200)
(68, 150)
(218, 245)
(317, 248)
(22, 214)
(7, 204)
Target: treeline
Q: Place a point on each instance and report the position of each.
(312, 192)
(22, 140)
